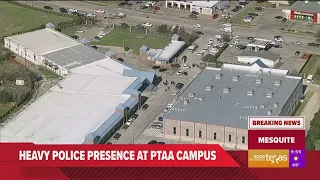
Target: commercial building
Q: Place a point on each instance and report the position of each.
(96, 96)
(268, 58)
(259, 44)
(203, 7)
(215, 107)
(304, 11)
(165, 55)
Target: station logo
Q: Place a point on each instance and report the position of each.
(268, 158)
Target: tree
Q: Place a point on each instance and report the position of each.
(313, 136)
(163, 28)
(5, 97)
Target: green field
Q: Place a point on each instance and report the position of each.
(251, 9)
(4, 109)
(311, 67)
(121, 37)
(71, 30)
(106, 3)
(14, 18)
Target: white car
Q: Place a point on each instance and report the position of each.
(211, 41)
(247, 19)
(197, 26)
(73, 10)
(147, 25)
(174, 93)
(200, 53)
(209, 45)
(178, 73)
(129, 122)
(91, 15)
(297, 43)
(234, 37)
(99, 11)
(214, 50)
(186, 66)
(101, 33)
(218, 37)
(80, 31)
(279, 39)
(227, 25)
(225, 16)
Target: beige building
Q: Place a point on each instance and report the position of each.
(215, 107)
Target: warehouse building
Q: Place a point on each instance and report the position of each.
(96, 96)
(215, 107)
(203, 7)
(165, 55)
(308, 11)
(268, 58)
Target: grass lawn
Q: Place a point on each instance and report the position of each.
(48, 73)
(311, 67)
(71, 30)
(118, 37)
(238, 19)
(14, 18)
(308, 95)
(4, 109)
(106, 3)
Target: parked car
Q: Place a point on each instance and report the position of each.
(82, 13)
(99, 11)
(155, 126)
(108, 143)
(215, 16)
(314, 44)
(179, 85)
(200, 53)
(253, 14)
(178, 73)
(297, 43)
(80, 31)
(195, 12)
(161, 142)
(251, 38)
(73, 10)
(297, 53)
(129, 4)
(91, 15)
(214, 50)
(248, 19)
(117, 136)
(192, 16)
(143, 7)
(197, 26)
(128, 123)
(147, 25)
(122, 3)
(74, 37)
(63, 10)
(97, 38)
(120, 59)
(278, 39)
(125, 127)
(260, 8)
(94, 47)
(160, 118)
(48, 8)
(145, 106)
(135, 116)
(235, 10)
(199, 33)
(153, 142)
(175, 65)
(284, 20)
(155, 67)
(174, 93)
(277, 46)
(278, 17)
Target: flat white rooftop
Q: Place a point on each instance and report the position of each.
(78, 105)
(43, 41)
(259, 42)
(169, 51)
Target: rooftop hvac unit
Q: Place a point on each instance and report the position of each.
(185, 102)
(258, 81)
(235, 78)
(269, 112)
(226, 90)
(277, 83)
(269, 95)
(275, 105)
(208, 88)
(200, 99)
(262, 106)
(218, 76)
(192, 94)
(250, 92)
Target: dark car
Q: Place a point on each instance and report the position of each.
(108, 143)
(251, 38)
(48, 8)
(135, 116)
(179, 85)
(199, 33)
(240, 46)
(125, 127)
(75, 13)
(284, 20)
(253, 14)
(277, 37)
(129, 4)
(314, 44)
(278, 17)
(160, 118)
(161, 142)
(153, 142)
(63, 10)
(117, 136)
(75, 37)
(192, 16)
(145, 106)
(297, 53)
(215, 16)
(185, 73)
(97, 38)
(238, 7)
(155, 67)
(120, 59)
(122, 3)
(144, 7)
(235, 10)
(277, 46)
(195, 12)
(94, 47)
(156, 8)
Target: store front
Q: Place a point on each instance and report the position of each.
(301, 16)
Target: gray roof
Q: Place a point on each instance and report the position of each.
(263, 54)
(144, 48)
(311, 6)
(110, 53)
(74, 56)
(232, 109)
(175, 37)
(84, 41)
(50, 25)
(260, 64)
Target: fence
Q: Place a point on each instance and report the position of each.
(151, 32)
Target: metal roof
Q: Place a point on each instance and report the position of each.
(262, 54)
(301, 6)
(169, 51)
(227, 96)
(74, 56)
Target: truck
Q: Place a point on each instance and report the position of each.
(309, 78)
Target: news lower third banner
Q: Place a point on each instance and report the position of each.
(190, 155)
(276, 142)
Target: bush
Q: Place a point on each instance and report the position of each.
(126, 48)
(162, 69)
(124, 26)
(5, 97)
(163, 28)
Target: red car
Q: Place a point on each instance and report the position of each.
(156, 8)
(215, 16)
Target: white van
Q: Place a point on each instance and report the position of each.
(309, 78)
(169, 106)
